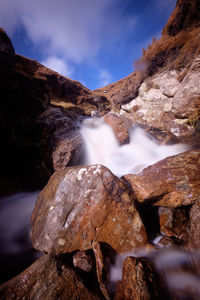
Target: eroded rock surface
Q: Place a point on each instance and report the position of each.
(171, 106)
(171, 182)
(175, 223)
(48, 279)
(82, 205)
(194, 235)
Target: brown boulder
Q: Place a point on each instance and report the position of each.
(120, 126)
(83, 205)
(194, 235)
(175, 223)
(47, 279)
(171, 182)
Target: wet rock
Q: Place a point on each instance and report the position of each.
(47, 279)
(140, 281)
(83, 205)
(175, 223)
(61, 143)
(194, 235)
(171, 182)
(166, 242)
(120, 127)
(83, 261)
(133, 280)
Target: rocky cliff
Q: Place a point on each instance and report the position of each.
(86, 216)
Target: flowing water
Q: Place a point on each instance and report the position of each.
(16, 252)
(102, 147)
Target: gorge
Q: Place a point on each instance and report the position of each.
(110, 178)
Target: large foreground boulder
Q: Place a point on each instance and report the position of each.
(84, 205)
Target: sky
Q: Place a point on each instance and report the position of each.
(93, 41)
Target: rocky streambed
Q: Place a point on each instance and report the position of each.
(109, 237)
(104, 234)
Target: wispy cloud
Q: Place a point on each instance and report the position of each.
(59, 65)
(104, 77)
(76, 30)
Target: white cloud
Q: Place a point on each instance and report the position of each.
(76, 29)
(59, 65)
(105, 77)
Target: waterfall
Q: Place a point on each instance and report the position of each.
(102, 147)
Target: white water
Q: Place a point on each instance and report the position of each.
(15, 213)
(178, 268)
(102, 147)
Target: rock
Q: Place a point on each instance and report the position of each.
(120, 127)
(48, 279)
(140, 281)
(83, 261)
(171, 182)
(7, 52)
(166, 242)
(83, 205)
(122, 91)
(61, 143)
(28, 89)
(194, 235)
(169, 105)
(175, 223)
(133, 280)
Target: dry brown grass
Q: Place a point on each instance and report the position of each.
(172, 52)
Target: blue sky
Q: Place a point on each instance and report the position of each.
(93, 41)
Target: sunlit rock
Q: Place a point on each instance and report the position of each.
(172, 182)
(169, 104)
(83, 205)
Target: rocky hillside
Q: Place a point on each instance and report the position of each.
(39, 109)
(86, 217)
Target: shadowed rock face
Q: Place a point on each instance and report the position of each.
(83, 205)
(48, 279)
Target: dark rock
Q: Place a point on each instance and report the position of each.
(194, 235)
(83, 261)
(7, 52)
(61, 143)
(140, 281)
(83, 205)
(175, 223)
(47, 279)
